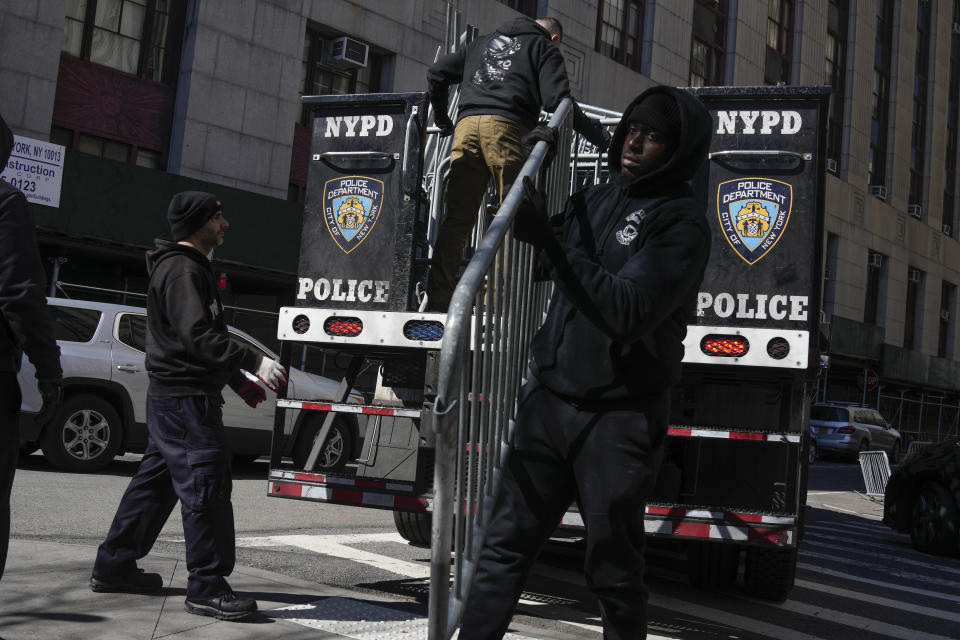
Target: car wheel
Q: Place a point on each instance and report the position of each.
(336, 451)
(414, 526)
(812, 452)
(84, 436)
(936, 523)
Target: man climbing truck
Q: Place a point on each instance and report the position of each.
(733, 480)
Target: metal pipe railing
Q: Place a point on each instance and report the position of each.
(494, 311)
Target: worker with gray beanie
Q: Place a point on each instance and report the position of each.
(627, 258)
(190, 357)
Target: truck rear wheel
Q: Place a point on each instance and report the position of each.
(712, 565)
(769, 573)
(935, 526)
(414, 526)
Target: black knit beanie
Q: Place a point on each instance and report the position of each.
(190, 210)
(660, 111)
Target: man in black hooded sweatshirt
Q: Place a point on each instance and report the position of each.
(190, 357)
(25, 326)
(505, 77)
(627, 258)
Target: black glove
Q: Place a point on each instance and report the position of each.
(602, 139)
(442, 120)
(541, 133)
(51, 392)
(531, 223)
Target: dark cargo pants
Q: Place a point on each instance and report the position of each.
(604, 458)
(186, 459)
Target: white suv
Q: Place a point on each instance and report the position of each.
(105, 393)
(850, 429)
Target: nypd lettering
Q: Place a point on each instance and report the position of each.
(753, 214)
(341, 290)
(762, 122)
(351, 206)
(759, 306)
(357, 126)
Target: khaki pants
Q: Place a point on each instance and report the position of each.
(484, 147)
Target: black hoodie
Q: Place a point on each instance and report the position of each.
(189, 351)
(25, 322)
(511, 72)
(628, 264)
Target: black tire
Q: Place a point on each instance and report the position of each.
(769, 573)
(935, 523)
(812, 452)
(85, 435)
(335, 453)
(414, 526)
(712, 565)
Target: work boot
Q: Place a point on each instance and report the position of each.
(226, 606)
(135, 581)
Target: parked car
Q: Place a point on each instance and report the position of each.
(105, 391)
(922, 498)
(847, 430)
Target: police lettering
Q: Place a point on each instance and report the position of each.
(340, 290)
(758, 306)
(350, 124)
(749, 122)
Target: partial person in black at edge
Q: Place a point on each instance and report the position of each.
(627, 258)
(190, 357)
(505, 77)
(25, 327)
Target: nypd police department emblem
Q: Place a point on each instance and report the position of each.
(754, 213)
(351, 206)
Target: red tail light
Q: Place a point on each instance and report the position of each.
(846, 429)
(724, 346)
(343, 326)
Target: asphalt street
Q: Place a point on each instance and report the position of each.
(856, 578)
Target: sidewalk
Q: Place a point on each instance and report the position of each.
(44, 596)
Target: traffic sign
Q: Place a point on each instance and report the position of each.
(868, 380)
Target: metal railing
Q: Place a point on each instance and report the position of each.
(876, 472)
(495, 310)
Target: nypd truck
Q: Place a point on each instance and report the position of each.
(732, 485)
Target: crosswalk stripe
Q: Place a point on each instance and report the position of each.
(844, 527)
(893, 572)
(873, 544)
(880, 601)
(879, 583)
(872, 553)
(858, 622)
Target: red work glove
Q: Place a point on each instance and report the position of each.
(252, 393)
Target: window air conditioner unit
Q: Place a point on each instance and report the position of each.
(914, 275)
(876, 260)
(831, 165)
(915, 210)
(347, 52)
(944, 315)
(879, 191)
(946, 229)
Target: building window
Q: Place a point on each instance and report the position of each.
(912, 322)
(872, 308)
(918, 132)
(619, 31)
(320, 75)
(953, 105)
(836, 71)
(882, 55)
(948, 300)
(139, 37)
(526, 7)
(830, 275)
(779, 41)
(708, 49)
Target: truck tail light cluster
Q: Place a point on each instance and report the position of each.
(301, 324)
(343, 327)
(426, 330)
(724, 346)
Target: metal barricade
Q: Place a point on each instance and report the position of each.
(876, 471)
(495, 310)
